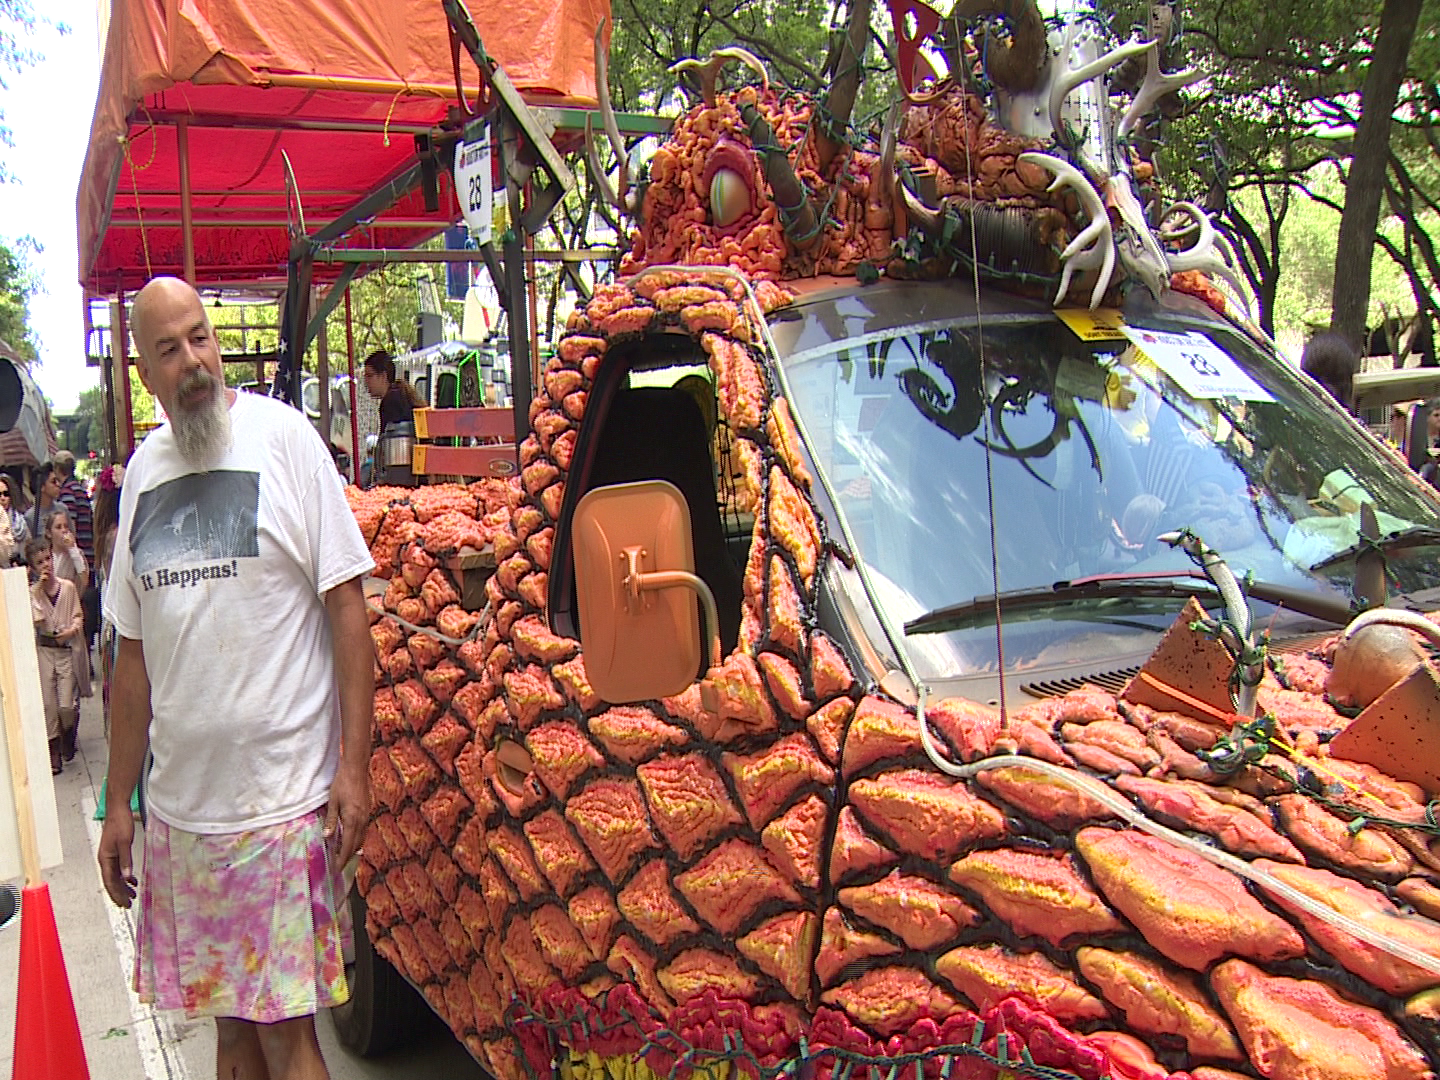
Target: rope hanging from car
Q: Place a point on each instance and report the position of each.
(927, 740)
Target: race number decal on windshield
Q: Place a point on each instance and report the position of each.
(1200, 367)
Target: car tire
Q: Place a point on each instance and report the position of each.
(384, 1012)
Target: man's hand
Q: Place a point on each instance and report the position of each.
(117, 839)
(348, 811)
(129, 724)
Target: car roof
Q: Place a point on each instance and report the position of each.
(834, 309)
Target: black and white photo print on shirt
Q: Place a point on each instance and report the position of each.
(198, 518)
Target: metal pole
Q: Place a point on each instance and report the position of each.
(322, 372)
(187, 228)
(107, 394)
(354, 410)
(534, 309)
(411, 255)
(517, 305)
(122, 375)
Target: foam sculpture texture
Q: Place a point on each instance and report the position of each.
(788, 885)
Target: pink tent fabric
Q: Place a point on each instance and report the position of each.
(341, 86)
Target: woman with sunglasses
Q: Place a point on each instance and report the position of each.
(14, 519)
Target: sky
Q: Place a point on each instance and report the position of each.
(48, 108)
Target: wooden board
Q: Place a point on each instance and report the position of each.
(470, 559)
(1399, 732)
(464, 423)
(1190, 662)
(498, 461)
(27, 791)
(472, 569)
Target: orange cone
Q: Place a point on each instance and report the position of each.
(47, 1035)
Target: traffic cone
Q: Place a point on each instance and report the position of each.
(47, 1035)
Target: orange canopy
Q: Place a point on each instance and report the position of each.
(341, 86)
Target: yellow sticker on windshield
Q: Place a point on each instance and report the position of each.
(1102, 324)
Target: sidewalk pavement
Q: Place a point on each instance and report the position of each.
(102, 1005)
(125, 1040)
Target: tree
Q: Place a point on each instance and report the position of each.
(90, 414)
(1285, 79)
(17, 285)
(1370, 163)
(800, 42)
(384, 305)
(650, 35)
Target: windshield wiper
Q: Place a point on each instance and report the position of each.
(1163, 585)
(1413, 537)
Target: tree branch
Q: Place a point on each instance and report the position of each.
(1273, 59)
(773, 51)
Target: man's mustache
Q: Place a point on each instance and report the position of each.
(199, 380)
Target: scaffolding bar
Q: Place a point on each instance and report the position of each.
(410, 255)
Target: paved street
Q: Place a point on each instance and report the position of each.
(125, 1040)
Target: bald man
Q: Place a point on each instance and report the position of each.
(245, 666)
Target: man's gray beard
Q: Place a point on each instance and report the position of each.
(202, 435)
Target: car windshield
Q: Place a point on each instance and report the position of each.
(1093, 449)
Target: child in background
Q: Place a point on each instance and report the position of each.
(55, 607)
(70, 564)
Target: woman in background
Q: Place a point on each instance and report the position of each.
(1430, 466)
(398, 400)
(14, 517)
(45, 482)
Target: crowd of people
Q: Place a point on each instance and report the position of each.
(52, 530)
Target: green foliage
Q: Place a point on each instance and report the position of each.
(384, 306)
(90, 413)
(1307, 241)
(142, 404)
(650, 35)
(18, 284)
(1281, 97)
(794, 38)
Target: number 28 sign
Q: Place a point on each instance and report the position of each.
(473, 185)
(1202, 368)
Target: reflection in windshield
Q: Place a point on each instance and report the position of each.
(1094, 452)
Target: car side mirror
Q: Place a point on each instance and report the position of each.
(636, 584)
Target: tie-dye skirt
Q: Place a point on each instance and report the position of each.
(249, 925)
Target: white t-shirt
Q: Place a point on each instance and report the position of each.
(221, 575)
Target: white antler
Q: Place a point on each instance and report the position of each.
(1154, 87)
(708, 70)
(1071, 78)
(1094, 248)
(917, 210)
(1198, 224)
(1211, 252)
(1140, 253)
